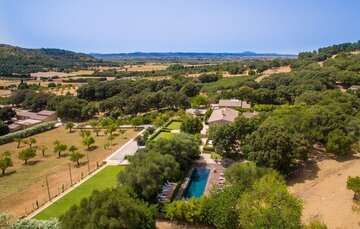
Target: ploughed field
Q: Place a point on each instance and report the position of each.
(23, 185)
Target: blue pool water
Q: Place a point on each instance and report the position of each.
(197, 183)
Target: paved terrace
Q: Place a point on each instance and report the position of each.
(130, 148)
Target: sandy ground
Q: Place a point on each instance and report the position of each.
(165, 224)
(322, 187)
(24, 184)
(284, 69)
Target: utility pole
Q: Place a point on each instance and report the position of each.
(70, 176)
(48, 190)
(88, 162)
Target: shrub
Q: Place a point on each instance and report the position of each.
(27, 132)
(209, 148)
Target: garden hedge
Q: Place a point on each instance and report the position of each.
(27, 132)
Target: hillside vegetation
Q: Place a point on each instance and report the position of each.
(21, 61)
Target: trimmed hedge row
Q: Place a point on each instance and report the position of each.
(209, 148)
(27, 132)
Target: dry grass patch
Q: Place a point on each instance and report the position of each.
(321, 184)
(267, 73)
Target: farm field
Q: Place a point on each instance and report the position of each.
(228, 82)
(267, 73)
(174, 125)
(106, 178)
(62, 74)
(28, 181)
(321, 186)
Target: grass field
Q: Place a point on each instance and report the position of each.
(163, 134)
(107, 178)
(174, 125)
(226, 83)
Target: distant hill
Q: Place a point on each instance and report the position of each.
(187, 56)
(21, 61)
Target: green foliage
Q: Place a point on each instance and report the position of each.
(221, 207)
(69, 125)
(148, 172)
(59, 148)
(184, 148)
(245, 173)
(314, 224)
(268, 204)
(6, 113)
(136, 121)
(4, 129)
(338, 143)
(89, 110)
(36, 101)
(5, 161)
(112, 208)
(274, 146)
(209, 148)
(224, 138)
(43, 149)
(199, 101)
(208, 78)
(16, 60)
(353, 183)
(71, 108)
(27, 154)
(76, 156)
(88, 141)
(193, 210)
(191, 125)
(5, 220)
(30, 141)
(38, 224)
(27, 132)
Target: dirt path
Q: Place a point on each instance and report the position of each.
(322, 187)
(267, 73)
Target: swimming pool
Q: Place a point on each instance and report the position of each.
(197, 183)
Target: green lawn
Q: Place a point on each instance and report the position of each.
(174, 125)
(106, 178)
(166, 135)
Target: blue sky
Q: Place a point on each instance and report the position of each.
(109, 26)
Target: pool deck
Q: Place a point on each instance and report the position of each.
(215, 170)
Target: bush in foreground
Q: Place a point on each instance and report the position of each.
(112, 208)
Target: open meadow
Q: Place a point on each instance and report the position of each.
(23, 185)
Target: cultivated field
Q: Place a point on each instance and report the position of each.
(62, 74)
(322, 187)
(138, 67)
(106, 178)
(24, 184)
(284, 69)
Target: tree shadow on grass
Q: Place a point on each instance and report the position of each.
(31, 163)
(7, 174)
(91, 148)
